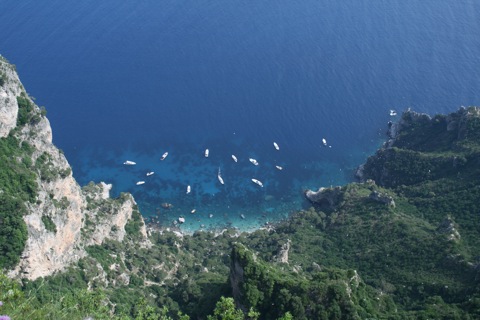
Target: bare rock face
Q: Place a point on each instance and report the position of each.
(282, 255)
(383, 198)
(9, 91)
(448, 228)
(60, 198)
(236, 279)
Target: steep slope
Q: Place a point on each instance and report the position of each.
(57, 213)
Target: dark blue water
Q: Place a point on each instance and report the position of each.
(133, 79)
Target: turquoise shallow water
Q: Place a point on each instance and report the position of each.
(133, 79)
(238, 203)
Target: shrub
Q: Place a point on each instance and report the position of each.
(49, 224)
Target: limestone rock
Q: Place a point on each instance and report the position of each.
(383, 198)
(9, 91)
(448, 227)
(282, 255)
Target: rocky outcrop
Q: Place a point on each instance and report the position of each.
(60, 199)
(383, 198)
(282, 255)
(458, 121)
(448, 228)
(237, 274)
(326, 197)
(10, 89)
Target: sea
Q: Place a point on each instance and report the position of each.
(133, 79)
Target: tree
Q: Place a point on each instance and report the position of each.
(225, 310)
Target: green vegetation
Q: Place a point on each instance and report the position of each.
(46, 168)
(17, 187)
(49, 224)
(321, 294)
(76, 304)
(25, 110)
(133, 225)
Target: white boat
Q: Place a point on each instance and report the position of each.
(255, 162)
(219, 176)
(257, 182)
(276, 146)
(324, 141)
(189, 189)
(129, 163)
(207, 152)
(164, 156)
(234, 158)
(210, 215)
(150, 173)
(279, 168)
(393, 113)
(181, 220)
(140, 183)
(242, 216)
(193, 211)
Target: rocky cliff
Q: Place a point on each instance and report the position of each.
(63, 219)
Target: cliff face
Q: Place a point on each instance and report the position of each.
(57, 221)
(9, 92)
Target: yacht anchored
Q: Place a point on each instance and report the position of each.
(207, 152)
(324, 141)
(129, 163)
(189, 189)
(140, 183)
(276, 146)
(219, 176)
(234, 158)
(257, 182)
(150, 173)
(255, 162)
(279, 168)
(164, 156)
